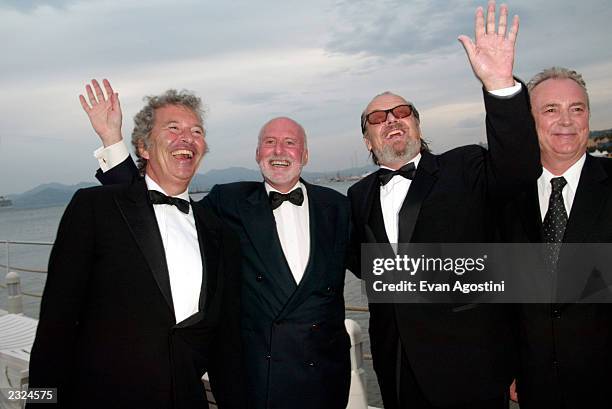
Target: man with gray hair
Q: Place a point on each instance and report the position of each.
(440, 355)
(565, 348)
(142, 292)
(293, 239)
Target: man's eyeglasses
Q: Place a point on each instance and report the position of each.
(380, 116)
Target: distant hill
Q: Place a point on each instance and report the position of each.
(56, 194)
(601, 133)
(46, 195)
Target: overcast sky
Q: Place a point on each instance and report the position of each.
(317, 61)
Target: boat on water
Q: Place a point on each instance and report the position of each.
(4, 202)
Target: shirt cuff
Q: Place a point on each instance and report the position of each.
(507, 92)
(111, 156)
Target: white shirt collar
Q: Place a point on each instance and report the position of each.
(152, 185)
(571, 175)
(270, 188)
(414, 160)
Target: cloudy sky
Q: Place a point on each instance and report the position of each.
(318, 61)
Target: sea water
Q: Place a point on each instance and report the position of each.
(40, 225)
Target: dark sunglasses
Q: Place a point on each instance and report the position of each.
(380, 116)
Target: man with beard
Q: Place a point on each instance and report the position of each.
(444, 355)
(293, 238)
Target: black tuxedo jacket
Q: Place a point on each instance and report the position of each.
(566, 349)
(107, 336)
(457, 353)
(296, 348)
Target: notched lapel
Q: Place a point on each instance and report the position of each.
(140, 217)
(424, 180)
(259, 223)
(208, 240)
(589, 202)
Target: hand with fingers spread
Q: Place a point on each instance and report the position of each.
(492, 55)
(104, 111)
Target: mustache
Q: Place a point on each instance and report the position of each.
(397, 126)
(286, 158)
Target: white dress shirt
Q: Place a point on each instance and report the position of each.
(180, 239)
(111, 156)
(392, 197)
(392, 194)
(293, 228)
(572, 176)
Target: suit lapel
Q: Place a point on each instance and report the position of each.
(588, 203)
(424, 179)
(373, 222)
(259, 223)
(322, 241)
(209, 251)
(139, 215)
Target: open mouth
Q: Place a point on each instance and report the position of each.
(279, 163)
(182, 154)
(394, 133)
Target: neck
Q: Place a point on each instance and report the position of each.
(171, 189)
(283, 188)
(558, 166)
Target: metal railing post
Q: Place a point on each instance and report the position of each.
(15, 299)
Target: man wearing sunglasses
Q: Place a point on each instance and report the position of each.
(443, 355)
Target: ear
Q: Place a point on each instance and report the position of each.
(305, 157)
(368, 144)
(142, 151)
(257, 154)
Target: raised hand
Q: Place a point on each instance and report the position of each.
(492, 56)
(104, 111)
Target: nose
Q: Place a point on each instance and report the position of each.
(391, 118)
(565, 118)
(278, 149)
(186, 134)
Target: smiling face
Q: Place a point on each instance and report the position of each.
(177, 146)
(561, 113)
(281, 153)
(395, 141)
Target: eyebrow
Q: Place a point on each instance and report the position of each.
(174, 121)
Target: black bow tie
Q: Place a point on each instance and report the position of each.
(160, 198)
(407, 171)
(296, 197)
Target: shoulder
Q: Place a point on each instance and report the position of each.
(606, 163)
(323, 193)
(96, 193)
(361, 185)
(461, 153)
(235, 189)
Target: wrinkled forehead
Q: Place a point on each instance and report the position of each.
(386, 101)
(558, 90)
(283, 128)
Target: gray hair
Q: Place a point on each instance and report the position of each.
(558, 73)
(415, 113)
(145, 119)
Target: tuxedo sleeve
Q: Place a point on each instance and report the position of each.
(125, 172)
(226, 368)
(70, 265)
(513, 150)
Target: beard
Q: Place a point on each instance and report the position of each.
(277, 177)
(389, 154)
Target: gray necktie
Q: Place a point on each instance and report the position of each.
(555, 221)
